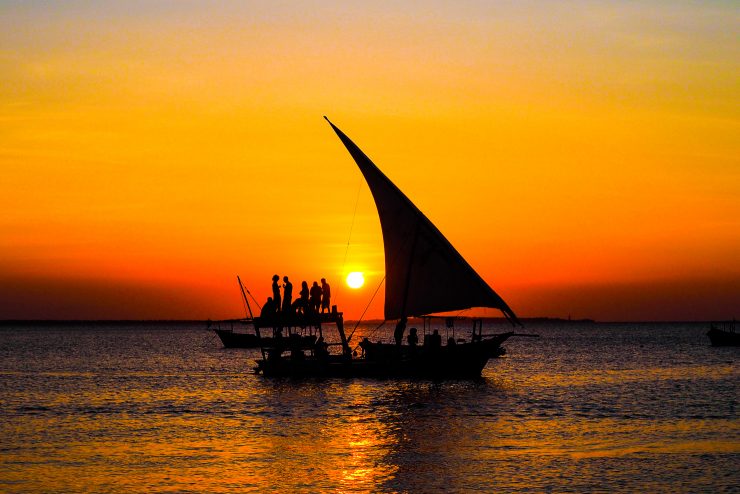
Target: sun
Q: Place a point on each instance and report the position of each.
(355, 279)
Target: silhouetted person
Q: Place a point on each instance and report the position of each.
(276, 292)
(302, 302)
(315, 300)
(364, 344)
(398, 332)
(435, 341)
(325, 296)
(287, 294)
(451, 341)
(321, 349)
(412, 339)
(268, 310)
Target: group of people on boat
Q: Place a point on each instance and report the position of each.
(314, 300)
(433, 340)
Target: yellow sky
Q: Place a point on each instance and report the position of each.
(583, 156)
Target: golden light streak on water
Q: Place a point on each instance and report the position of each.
(583, 409)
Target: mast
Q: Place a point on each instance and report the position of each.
(244, 296)
(251, 316)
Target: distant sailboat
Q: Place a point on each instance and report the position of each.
(723, 334)
(424, 275)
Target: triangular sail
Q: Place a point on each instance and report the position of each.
(424, 273)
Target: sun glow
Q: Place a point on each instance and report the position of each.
(355, 279)
(121, 122)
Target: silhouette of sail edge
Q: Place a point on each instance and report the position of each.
(425, 274)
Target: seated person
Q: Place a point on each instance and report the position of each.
(436, 339)
(321, 348)
(300, 307)
(268, 310)
(412, 338)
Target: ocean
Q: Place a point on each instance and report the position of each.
(587, 407)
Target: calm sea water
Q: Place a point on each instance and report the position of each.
(152, 408)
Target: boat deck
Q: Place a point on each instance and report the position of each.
(280, 320)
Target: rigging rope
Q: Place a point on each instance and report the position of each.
(393, 261)
(252, 297)
(364, 311)
(244, 300)
(371, 333)
(351, 227)
(244, 306)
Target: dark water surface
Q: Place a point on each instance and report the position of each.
(584, 408)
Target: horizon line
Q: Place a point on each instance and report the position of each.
(205, 321)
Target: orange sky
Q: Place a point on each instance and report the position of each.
(584, 157)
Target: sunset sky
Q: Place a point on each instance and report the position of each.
(584, 157)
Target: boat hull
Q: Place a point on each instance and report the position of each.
(719, 337)
(465, 361)
(230, 339)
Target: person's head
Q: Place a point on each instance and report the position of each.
(304, 284)
(285, 279)
(269, 300)
(323, 281)
(436, 332)
(275, 278)
(315, 284)
(412, 330)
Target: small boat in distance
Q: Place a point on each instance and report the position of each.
(723, 334)
(302, 330)
(234, 339)
(424, 275)
(237, 339)
(231, 338)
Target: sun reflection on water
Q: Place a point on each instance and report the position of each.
(144, 416)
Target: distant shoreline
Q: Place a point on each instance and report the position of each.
(120, 322)
(162, 322)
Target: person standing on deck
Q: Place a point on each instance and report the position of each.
(276, 293)
(435, 340)
(325, 296)
(302, 302)
(287, 294)
(315, 300)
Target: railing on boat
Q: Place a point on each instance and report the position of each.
(284, 321)
(726, 326)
